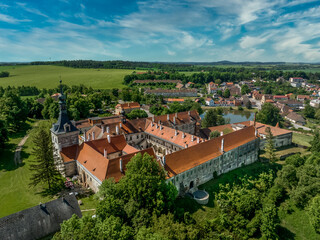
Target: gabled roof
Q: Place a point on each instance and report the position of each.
(116, 144)
(191, 157)
(113, 170)
(169, 134)
(261, 127)
(128, 105)
(296, 117)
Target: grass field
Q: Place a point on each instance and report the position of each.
(48, 76)
(301, 139)
(16, 194)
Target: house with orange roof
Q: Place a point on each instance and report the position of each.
(126, 107)
(303, 97)
(212, 88)
(173, 100)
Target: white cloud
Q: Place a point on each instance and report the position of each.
(31, 10)
(9, 19)
(249, 42)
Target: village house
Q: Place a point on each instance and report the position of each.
(188, 84)
(126, 107)
(212, 88)
(280, 97)
(315, 103)
(296, 118)
(266, 97)
(293, 104)
(303, 97)
(209, 102)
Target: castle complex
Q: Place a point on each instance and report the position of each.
(99, 148)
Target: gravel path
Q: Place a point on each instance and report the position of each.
(17, 153)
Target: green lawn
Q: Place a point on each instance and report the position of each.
(46, 76)
(297, 225)
(16, 194)
(301, 139)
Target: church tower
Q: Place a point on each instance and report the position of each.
(63, 132)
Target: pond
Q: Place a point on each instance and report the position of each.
(234, 116)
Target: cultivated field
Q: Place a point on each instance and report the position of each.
(46, 76)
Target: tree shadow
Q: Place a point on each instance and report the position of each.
(7, 157)
(285, 233)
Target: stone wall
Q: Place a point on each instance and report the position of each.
(39, 221)
(279, 141)
(235, 158)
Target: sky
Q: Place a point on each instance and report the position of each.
(160, 30)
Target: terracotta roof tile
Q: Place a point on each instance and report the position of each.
(114, 164)
(181, 139)
(188, 158)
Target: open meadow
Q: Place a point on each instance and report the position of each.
(47, 76)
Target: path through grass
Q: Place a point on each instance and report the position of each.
(16, 195)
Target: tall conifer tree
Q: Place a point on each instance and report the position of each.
(43, 167)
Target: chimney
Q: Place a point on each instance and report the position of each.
(151, 124)
(109, 139)
(189, 113)
(93, 135)
(84, 137)
(161, 127)
(174, 120)
(186, 146)
(156, 125)
(117, 130)
(256, 132)
(120, 125)
(152, 118)
(183, 135)
(60, 147)
(105, 153)
(192, 138)
(176, 115)
(108, 129)
(168, 117)
(121, 165)
(221, 133)
(175, 132)
(103, 128)
(198, 140)
(159, 122)
(163, 161)
(222, 145)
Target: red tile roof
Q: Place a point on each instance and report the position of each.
(189, 158)
(113, 170)
(169, 134)
(128, 105)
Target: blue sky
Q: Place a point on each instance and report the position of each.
(160, 30)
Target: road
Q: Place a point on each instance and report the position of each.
(299, 126)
